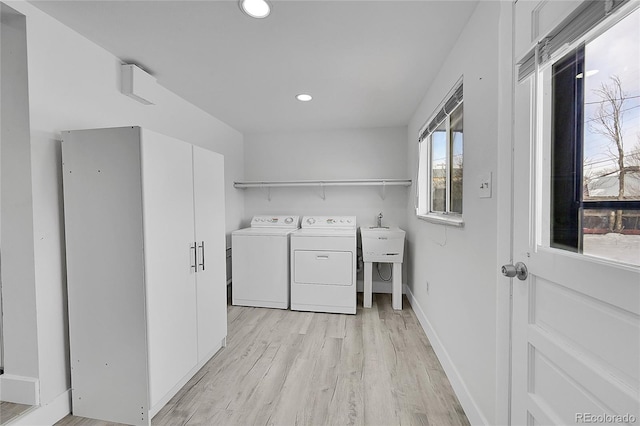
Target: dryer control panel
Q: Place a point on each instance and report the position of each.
(277, 221)
(329, 222)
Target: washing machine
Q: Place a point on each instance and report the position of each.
(260, 262)
(323, 265)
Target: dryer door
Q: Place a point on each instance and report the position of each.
(323, 267)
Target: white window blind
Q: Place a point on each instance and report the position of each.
(576, 25)
(452, 101)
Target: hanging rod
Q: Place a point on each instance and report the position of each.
(346, 182)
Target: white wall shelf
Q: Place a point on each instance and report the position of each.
(323, 184)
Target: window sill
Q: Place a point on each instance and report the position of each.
(442, 219)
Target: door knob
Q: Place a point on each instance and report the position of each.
(518, 270)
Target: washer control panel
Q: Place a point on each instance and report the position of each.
(329, 222)
(277, 221)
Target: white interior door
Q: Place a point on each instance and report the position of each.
(208, 178)
(576, 326)
(169, 261)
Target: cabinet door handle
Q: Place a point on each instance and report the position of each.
(195, 256)
(202, 247)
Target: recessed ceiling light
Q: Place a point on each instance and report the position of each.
(255, 8)
(304, 97)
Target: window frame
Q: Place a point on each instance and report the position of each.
(567, 198)
(424, 181)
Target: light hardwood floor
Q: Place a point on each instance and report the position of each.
(9, 411)
(298, 368)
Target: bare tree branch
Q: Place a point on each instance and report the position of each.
(608, 121)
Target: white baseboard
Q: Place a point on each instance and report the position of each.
(46, 414)
(19, 389)
(467, 401)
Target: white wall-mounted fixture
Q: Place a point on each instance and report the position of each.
(484, 185)
(138, 84)
(255, 8)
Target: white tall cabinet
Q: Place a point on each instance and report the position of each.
(145, 237)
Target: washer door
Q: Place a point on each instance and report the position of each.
(323, 267)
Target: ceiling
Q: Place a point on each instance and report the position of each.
(366, 63)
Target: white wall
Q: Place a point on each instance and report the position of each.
(329, 155)
(74, 84)
(18, 278)
(459, 308)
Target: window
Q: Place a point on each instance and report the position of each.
(439, 183)
(595, 145)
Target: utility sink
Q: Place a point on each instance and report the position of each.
(382, 244)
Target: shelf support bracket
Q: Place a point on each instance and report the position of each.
(384, 189)
(324, 194)
(268, 193)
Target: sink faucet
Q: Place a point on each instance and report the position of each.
(380, 220)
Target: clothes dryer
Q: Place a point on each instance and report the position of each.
(260, 262)
(323, 265)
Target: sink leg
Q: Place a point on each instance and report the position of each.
(396, 297)
(367, 284)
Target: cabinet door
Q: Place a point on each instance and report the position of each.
(208, 177)
(169, 276)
